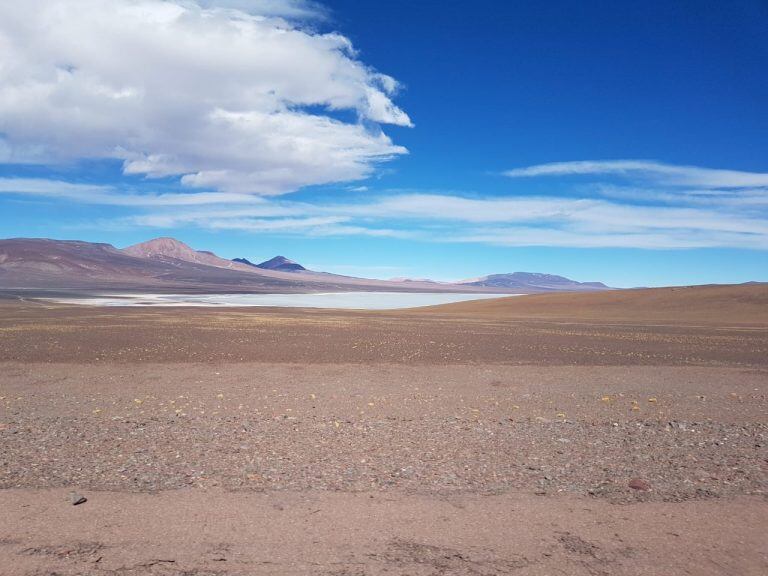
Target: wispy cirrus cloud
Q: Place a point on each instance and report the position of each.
(523, 221)
(650, 214)
(658, 172)
(650, 238)
(106, 195)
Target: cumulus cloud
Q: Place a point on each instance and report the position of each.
(236, 96)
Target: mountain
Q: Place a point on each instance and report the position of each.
(41, 263)
(42, 258)
(532, 280)
(244, 261)
(166, 249)
(281, 263)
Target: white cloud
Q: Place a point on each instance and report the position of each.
(237, 96)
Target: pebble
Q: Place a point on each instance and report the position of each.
(639, 484)
(76, 498)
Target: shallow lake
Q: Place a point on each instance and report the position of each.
(342, 300)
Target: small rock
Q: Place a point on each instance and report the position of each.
(639, 484)
(76, 498)
(543, 420)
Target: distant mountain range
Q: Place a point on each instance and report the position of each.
(545, 282)
(166, 264)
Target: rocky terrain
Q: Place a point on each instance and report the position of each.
(483, 438)
(421, 429)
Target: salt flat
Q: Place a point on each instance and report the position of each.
(335, 300)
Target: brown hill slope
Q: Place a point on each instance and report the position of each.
(165, 249)
(41, 263)
(742, 304)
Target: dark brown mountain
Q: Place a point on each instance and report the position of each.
(281, 263)
(244, 261)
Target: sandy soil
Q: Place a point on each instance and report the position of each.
(332, 533)
(429, 442)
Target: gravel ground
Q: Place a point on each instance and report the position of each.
(679, 460)
(233, 442)
(136, 336)
(688, 432)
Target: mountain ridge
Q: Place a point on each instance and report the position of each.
(530, 279)
(281, 263)
(165, 247)
(166, 263)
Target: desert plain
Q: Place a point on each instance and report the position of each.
(601, 433)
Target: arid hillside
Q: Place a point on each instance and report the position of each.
(745, 304)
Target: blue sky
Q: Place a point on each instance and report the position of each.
(623, 142)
